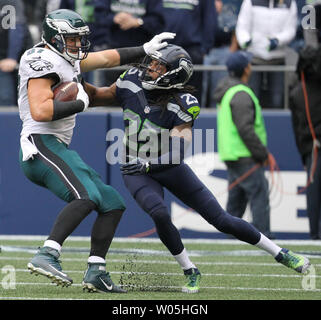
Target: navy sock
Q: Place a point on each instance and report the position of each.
(167, 232)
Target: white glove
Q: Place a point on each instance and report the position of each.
(82, 95)
(156, 43)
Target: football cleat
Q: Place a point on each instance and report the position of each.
(193, 277)
(46, 263)
(293, 261)
(96, 279)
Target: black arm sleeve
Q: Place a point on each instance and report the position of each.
(63, 109)
(243, 115)
(130, 55)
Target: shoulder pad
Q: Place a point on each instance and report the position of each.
(129, 80)
(40, 60)
(190, 104)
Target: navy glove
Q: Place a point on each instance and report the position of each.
(135, 168)
(273, 44)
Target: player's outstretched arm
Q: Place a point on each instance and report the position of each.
(101, 97)
(115, 57)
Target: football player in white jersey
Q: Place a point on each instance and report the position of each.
(47, 131)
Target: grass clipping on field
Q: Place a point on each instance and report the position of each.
(138, 276)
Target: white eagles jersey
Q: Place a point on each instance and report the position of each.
(40, 62)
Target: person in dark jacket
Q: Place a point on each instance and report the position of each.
(15, 38)
(99, 34)
(310, 64)
(195, 24)
(242, 142)
(128, 23)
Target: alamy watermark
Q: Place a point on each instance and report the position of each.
(8, 277)
(309, 279)
(308, 21)
(157, 145)
(8, 17)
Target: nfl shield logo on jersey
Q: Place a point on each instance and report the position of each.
(147, 109)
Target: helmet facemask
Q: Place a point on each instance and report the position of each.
(174, 77)
(69, 50)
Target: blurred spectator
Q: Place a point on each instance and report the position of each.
(35, 13)
(298, 41)
(99, 35)
(225, 43)
(129, 23)
(194, 23)
(52, 5)
(15, 38)
(265, 28)
(242, 141)
(310, 65)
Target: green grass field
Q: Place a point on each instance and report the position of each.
(230, 270)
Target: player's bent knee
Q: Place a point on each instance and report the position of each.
(160, 215)
(111, 200)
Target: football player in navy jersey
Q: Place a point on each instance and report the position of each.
(156, 102)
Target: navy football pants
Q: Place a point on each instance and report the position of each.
(182, 182)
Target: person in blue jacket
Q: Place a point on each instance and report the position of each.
(15, 38)
(131, 22)
(195, 24)
(128, 23)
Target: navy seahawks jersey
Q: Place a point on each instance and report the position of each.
(147, 125)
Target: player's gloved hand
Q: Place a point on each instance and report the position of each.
(135, 167)
(273, 44)
(83, 96)
(156, 43)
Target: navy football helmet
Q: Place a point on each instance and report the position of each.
(179, 68)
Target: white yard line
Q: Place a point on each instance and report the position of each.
(149, 252)
(203, 274)
(213, 263)
(156, 240)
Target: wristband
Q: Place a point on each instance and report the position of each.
(130, 55)
(63, 109)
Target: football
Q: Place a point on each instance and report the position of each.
(66, 91)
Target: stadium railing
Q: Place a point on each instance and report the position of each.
(257, 68)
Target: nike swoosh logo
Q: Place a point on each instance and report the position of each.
(58, 271)
(109, 288)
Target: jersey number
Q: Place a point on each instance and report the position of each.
(142, 139)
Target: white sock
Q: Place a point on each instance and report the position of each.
(52, 244)
(268, 245)
(96, 259)
(184, 260)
